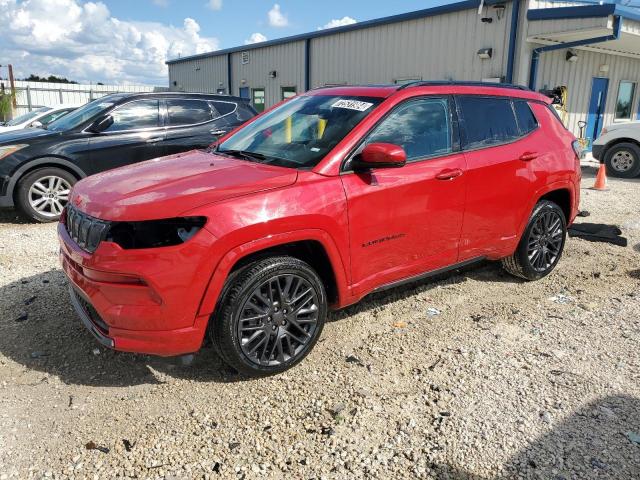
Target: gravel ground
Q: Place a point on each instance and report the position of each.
(473, 376)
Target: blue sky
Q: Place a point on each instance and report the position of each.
(238, 19)
(129, 41)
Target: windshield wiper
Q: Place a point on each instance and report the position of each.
(244, 154)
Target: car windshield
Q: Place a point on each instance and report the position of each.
(299, 133)
(25, 117)
(82, 114)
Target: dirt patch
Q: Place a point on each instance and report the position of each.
(475, 375)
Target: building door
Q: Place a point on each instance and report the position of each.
(244, 92)
(595, 115)
(258, 99)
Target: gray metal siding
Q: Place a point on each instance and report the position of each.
(204, 75)
(554, 70)
(442, 47)
(287, 60)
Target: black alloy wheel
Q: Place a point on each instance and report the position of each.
(271, 314)
(541, 245)
(278, 320)
(546, 238)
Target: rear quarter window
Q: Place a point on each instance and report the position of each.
(526, 119)
(486, 121)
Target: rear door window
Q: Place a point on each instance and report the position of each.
(486, 121)
(421, 127)
(187, 112)
(526, 120)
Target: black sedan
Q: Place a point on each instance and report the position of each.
(38, 167)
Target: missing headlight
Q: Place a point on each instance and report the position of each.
(155, 233)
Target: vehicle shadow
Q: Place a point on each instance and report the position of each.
(40, 330)
(485, 271)
(599, 441)
(11, 216)
(589, 172)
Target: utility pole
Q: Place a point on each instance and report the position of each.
(13, 86)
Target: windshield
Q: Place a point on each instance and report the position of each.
(301, 132)
(81, 115)
(25, 117)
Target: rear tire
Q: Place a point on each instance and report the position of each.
(541, 245)
(623, 160)
(42, 194)
(270, 316)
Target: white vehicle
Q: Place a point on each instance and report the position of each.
(618, 146)
(38, 117)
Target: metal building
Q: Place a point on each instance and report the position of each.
(591, 49)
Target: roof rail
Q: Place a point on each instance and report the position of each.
(436, 83)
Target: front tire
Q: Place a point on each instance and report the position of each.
(541, 245)
(42, 194)
(623, 160)
(270, 317)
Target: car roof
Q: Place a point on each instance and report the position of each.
(434, 87)
(173, 94)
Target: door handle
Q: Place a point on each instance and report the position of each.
(528, 156)
(217, 132)
(449, 174)
(154, 140)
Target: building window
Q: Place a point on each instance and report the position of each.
(624, 102)
(288, 92)
(258, 99)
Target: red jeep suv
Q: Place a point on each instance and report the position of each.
(316, 203)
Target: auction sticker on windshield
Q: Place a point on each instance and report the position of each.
(352, 105)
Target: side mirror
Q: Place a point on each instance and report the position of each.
(101, 124)
(36, 124)
(380, 155)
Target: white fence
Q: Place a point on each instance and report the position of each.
(30, 95)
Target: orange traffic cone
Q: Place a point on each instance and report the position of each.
(601, 178)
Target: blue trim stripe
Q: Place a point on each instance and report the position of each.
(428, 12)
(533, 70)
(571, 12)
(515, 14)
(586, 11)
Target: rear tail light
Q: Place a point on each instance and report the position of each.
(577, 148)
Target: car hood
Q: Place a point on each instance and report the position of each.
(4, 129)
(634, 125)
(24, 135)
(170, 186)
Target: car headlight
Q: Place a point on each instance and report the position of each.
(9, 149)
(154, 233)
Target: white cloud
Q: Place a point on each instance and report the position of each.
(214, 4)
(339, 22)
(255, 38)
(88, 44)
(276, 17)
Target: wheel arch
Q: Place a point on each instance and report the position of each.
(612, 143)
(42, 162)
(312, 246)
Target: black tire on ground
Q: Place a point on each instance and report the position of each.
(541, 245)
(270, 316)
(623, 160)
(41, 194)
